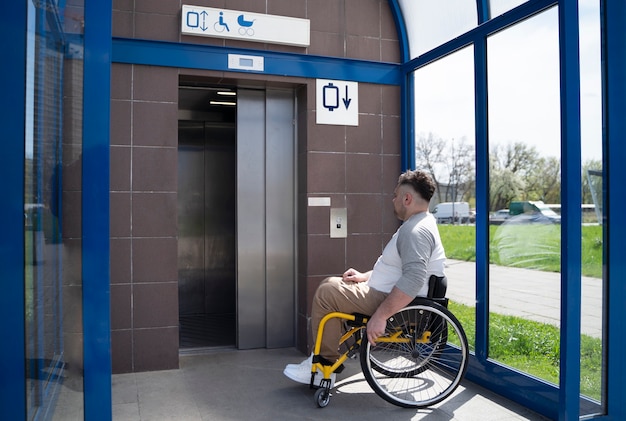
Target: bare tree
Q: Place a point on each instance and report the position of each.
(451, 164)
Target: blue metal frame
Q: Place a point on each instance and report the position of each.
(571, 219)
(407, 124)
(614, 108)
(193, 56)
(482, 199)
(95, 211)
(13, 22)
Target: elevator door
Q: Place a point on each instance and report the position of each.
(266, 223)
(206, 229)
(236, 216)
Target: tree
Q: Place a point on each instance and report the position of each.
(517, 172)
(504, 186)
(451, 165)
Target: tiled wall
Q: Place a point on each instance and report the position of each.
(144, 266)
(356, 167)
(368, 34)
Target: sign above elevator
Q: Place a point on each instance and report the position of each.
(257, 27)
(337, 102)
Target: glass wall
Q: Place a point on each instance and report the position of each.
(432, 23)
(498, 7)
(444, 146)
(522, 191)
(525, 179)
(52, 214)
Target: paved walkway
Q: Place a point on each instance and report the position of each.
(532, 294)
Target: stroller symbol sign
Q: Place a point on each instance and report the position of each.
(245, 26)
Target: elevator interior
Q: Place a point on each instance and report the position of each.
(236, 216)
(206, 218)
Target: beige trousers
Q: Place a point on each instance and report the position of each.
(334, 294)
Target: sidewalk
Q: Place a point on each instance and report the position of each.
(226, 385)
(531, 294)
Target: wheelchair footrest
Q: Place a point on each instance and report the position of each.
(324, 361)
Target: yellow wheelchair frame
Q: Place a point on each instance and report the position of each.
(413, 353)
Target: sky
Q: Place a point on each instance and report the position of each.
(523, 74)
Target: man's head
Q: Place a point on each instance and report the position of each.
(412, 193)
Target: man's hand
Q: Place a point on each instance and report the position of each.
(377, 324)
(375, 328)
(353, 275)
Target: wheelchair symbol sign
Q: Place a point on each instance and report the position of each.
(337, 102)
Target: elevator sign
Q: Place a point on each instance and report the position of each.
(224, 23)
(337, 102)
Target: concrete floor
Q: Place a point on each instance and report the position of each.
(249, 385)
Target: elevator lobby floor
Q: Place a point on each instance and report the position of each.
(228, 384)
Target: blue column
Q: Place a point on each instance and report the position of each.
(13, 23)
(482, 200)
(614, 110)
(95, 211)
(569, 376)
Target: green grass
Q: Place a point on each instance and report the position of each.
(526, 246)
(525, 345)
(533, 347)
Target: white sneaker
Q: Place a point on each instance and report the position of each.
(308, 363)
(301, 373)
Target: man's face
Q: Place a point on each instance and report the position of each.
(398, 202)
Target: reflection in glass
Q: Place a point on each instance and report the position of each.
(432, 23)
(53, 313)
(444, 146)
(524, 145)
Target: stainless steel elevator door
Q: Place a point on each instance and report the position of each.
(206, 234)
(266, 223)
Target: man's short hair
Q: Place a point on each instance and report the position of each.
(421, 182)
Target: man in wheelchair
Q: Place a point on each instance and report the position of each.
(400, 274)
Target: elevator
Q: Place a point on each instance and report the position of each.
(236, 217)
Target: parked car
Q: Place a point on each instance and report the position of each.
(533, 212)
(499, 216)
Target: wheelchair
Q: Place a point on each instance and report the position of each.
(418, 362)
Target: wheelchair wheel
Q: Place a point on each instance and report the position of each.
(420, 360)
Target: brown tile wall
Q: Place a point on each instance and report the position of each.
(359, 29)
(356, 167)
(144, 266)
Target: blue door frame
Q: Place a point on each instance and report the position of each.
(95, 209)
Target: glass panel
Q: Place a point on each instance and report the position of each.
(498, 7)
(432, 23)
(52, 212)
(525, 242)
(593, 306)
(444, 146)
